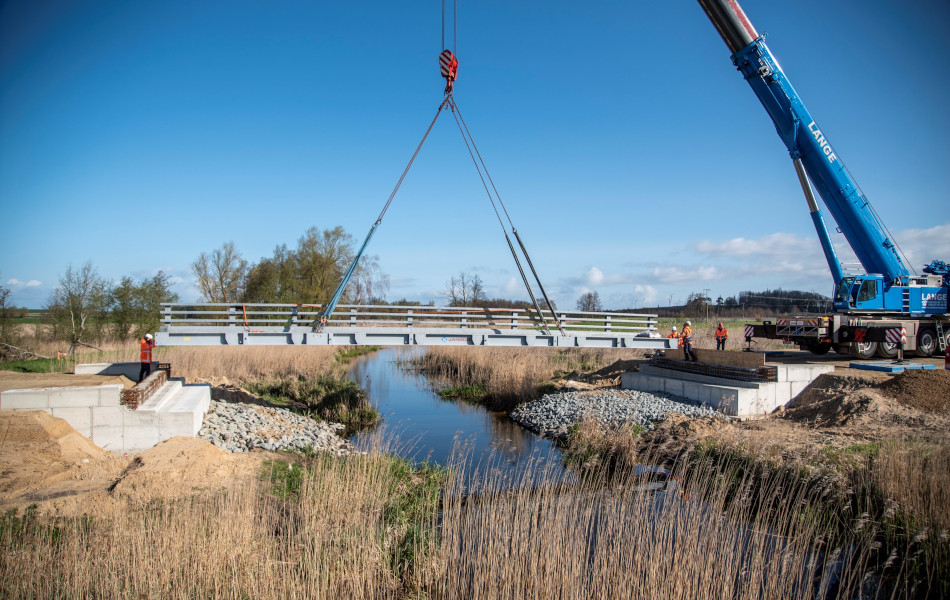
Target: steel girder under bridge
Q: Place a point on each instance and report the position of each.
(385, 325)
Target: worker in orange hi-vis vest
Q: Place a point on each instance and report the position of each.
(145, 356)
(722, 334)
(673, 335)
(686, 338)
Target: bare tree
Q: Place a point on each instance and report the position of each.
(465, 289)
(369, 283)
(590, 302)
(79, 303)
(221, 274)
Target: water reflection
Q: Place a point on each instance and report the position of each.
(432, 428)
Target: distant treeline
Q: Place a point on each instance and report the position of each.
(749, 303)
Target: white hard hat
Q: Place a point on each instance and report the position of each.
(688, 323)
(674, 327)
(148, 336)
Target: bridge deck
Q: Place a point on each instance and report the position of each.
(367, 325)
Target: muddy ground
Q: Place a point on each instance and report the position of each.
(44, 461)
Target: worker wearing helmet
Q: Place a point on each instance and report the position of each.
(673, 334)
(686, 338)
(722, 334)
(147, 343)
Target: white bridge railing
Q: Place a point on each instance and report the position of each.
(278, 324)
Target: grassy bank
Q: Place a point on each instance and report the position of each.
(372, 527)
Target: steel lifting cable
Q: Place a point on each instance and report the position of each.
(466, 138)
(331, 306)
(527, 257)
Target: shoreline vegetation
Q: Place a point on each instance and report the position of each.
(741, 521)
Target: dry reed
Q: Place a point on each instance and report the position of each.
(514, 375)
(742, 536)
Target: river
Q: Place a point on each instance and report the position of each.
(420, 425)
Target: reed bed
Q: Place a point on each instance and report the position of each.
(252, 363)
(510, 376)
(369, 527)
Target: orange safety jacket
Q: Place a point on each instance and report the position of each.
(687, 335)
(146, 354)
(672, 335)
(722, 333)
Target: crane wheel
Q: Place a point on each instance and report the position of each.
(887, 350)
(863, 349)
(818, 348)
(926, 342)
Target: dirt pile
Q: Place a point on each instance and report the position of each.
(830, 400)
(44, 461)
(927, 390)
(612, 373)
(38, 450)
(178, 468)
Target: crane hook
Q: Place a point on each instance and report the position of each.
(449, 66)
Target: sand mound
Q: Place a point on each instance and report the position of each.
(37, 449)
(927, 390)
(180, 467)
(46, 434)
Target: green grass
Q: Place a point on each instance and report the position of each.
(333, 399)
(40, 365)
(469, 393)
(345, 355)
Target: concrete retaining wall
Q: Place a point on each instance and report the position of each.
(95, 411)
(744, 399)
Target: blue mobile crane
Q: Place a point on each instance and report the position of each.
(865, 307)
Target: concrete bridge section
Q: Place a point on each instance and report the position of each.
(739, 384)
(104, 415)
(369, 325)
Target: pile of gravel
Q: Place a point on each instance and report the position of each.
(239, 427)
(553, 414)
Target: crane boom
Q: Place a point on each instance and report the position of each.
(805, 141)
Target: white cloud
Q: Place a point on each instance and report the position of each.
(594, 276)
(511, 286)
(17, 284)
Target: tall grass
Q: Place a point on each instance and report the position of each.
(369, 527)
(510, 376)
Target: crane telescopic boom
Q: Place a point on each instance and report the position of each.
(806, 141)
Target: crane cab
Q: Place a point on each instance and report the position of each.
(906, 295)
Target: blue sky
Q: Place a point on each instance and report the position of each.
(633, 158)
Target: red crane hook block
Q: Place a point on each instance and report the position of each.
(449, 65)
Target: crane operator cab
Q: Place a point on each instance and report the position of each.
(917, 295)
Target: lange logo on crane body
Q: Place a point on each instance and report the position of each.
(932, 300)
(820, 138)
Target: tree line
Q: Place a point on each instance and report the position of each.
(306, 274)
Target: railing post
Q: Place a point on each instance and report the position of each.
(514, 320)
(167, 315)
(464, 320)
(409, 318)
(562, 321)
(607, 323)
(352, 317)
(293, 316)
(232, 315)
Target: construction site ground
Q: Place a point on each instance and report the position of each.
(45, 462)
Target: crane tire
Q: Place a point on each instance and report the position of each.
(887, 349)
(926, 342)
(863, 349)
(819, 348)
